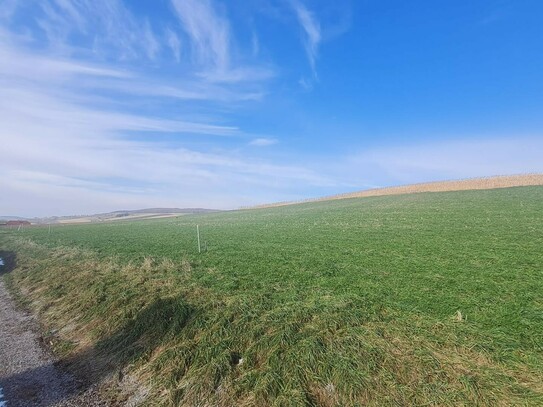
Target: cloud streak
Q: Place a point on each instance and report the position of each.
(107, 26)
(263, 142)
(312, 32)
(451, 159)
(209, 32)
(174, 43)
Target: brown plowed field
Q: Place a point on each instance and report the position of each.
(443, 186)
(505, 181)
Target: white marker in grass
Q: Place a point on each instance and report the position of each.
(198, 233)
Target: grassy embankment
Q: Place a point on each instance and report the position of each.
(422, 299)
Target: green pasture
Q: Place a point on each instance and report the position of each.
(420, 299)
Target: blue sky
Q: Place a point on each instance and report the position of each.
(127, 104)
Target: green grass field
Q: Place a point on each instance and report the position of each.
(421, 299)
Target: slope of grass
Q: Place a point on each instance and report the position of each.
(395, 300)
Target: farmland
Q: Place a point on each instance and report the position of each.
(430, 298)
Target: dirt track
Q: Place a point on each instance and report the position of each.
(28, 374)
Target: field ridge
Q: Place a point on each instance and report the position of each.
(493, 182)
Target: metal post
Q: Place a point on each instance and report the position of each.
(198, 233)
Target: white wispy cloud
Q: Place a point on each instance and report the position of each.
(209, 32)
(111, 31)
(39, 68)
(34, 66)
(312, 32)
(239, 74)
(44, 109)
(72, 10)
(450, 159)
(263, 142)
(255, 44)
(109, 26)
(305, 83)
(174, 43)
(211, 39)
(152, 45)
(8, 9)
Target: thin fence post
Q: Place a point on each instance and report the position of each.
(198, 233)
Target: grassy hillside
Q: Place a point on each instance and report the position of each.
(469, 184)
(431, 298)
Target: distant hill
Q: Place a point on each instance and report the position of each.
(163, 210)
(148, 213)
(503, 181)
(6, 218)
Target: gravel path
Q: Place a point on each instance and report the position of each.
(28, 375)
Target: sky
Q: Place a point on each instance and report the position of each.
(112, 104)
